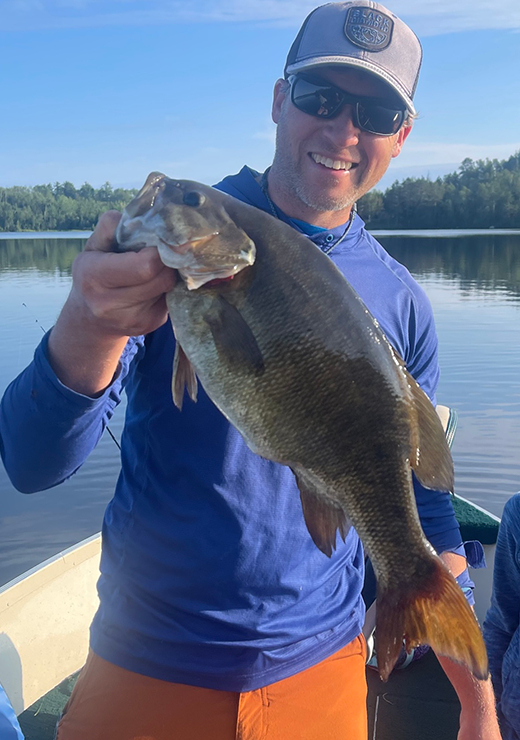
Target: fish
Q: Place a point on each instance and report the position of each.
(293, 358)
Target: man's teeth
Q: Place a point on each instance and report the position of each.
(333, 164)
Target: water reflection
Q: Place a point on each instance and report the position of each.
(486, 262)
(45, 255)
(483, 261)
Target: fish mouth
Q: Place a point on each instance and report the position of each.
(187, 246)
(183, 257)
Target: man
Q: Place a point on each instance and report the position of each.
(219, 618)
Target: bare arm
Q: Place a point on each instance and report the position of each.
(478, 719)
(113, 296)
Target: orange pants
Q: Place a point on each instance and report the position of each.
(325, 702)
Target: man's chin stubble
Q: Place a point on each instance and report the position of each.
(322, 202)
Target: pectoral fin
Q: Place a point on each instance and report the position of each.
(323, 516)
(234, 340)
(184, 377)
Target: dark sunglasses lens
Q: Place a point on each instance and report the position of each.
(315, 99)
(379, 120)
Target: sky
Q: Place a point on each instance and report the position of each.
(109, 90)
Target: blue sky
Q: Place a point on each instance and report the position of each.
(97, 90)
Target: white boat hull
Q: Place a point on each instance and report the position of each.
(44, 619)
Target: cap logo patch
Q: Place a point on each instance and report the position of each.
(368, 29)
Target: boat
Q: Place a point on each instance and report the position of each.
(44, 628)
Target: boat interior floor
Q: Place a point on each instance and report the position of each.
(38, 722)
(416, 703)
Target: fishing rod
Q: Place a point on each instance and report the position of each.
(45, 332)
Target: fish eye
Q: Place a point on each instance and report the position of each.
(193, 198)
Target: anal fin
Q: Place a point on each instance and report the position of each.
(322, 515)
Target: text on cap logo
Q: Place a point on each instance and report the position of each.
(368, 29)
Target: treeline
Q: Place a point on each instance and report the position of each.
(480, 195)
(58, 207)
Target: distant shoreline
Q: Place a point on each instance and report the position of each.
(4, 235)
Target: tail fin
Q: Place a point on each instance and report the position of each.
(435, 613)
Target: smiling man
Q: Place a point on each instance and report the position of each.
(326, 155)
(219, 618)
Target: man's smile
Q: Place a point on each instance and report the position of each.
(332, 164)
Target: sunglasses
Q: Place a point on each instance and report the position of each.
(324, 100)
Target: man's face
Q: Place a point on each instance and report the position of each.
(312, 190)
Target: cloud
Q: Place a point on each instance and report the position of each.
(436, 17)
(429, 17)
(267, 133)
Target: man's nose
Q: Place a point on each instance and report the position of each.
(342, 129)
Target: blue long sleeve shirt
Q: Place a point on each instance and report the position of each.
(208, 574)
(502, 622)
(9, 727)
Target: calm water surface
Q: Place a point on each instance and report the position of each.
(473, 282)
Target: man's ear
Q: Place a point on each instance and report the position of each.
(401, 138)
(280, 92)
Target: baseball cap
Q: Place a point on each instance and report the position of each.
(361, 34)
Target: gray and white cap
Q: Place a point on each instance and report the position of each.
(361, 34)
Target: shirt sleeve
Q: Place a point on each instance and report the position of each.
(48, 430)
(421, 356)
(9, 727)
(502, 619)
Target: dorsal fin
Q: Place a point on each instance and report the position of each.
(431, 457)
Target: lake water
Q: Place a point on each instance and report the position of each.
(473, 281)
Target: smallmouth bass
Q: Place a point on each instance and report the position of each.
(292, 357)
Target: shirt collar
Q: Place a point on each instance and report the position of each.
(246, 188)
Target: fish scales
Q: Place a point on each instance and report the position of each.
(290, 354)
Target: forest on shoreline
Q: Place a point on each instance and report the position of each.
(480, 194)
(58, 207)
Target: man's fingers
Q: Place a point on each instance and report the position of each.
(122, 269)
(122, 291)
(103, 236)
(145, 292)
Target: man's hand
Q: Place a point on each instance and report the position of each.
(114, 296)
(120, 294)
